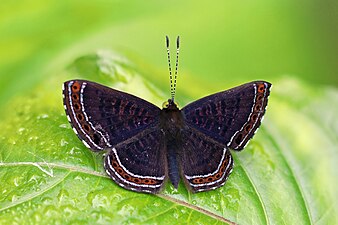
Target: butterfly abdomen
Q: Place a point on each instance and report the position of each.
(173, 167)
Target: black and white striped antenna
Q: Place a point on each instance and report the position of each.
(173, 81)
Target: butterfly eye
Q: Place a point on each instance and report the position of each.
(165, 104)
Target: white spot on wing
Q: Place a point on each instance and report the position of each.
(85, 143)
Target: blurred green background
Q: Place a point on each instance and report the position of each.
(224, 43)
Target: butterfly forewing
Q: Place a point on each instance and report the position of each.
(138, 163)
(103, 117)
(230, 117)
(205, 163)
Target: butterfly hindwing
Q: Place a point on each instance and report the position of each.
(103, 117)
(138, 163)
(230, 117)
(205, 163)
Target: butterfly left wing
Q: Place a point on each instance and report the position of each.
(102, 117)
(230, 117)
(205, 163)
(138, 164)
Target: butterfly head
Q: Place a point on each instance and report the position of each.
(169, 105)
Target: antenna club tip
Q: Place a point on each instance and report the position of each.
(167, 40)
(178, 41)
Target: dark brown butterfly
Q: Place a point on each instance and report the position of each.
(146, 144)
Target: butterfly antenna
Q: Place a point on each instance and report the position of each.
(176, 66)
(170, 73)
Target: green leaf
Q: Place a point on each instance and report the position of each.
(287, 174)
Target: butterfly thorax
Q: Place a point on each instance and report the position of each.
(171, 120)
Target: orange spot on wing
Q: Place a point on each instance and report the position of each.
(76, 87)
(261, 88)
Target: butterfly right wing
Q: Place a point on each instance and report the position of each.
(139, 163)
(230, 117)
(103, 117)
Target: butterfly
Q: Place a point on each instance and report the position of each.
(148, 145)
